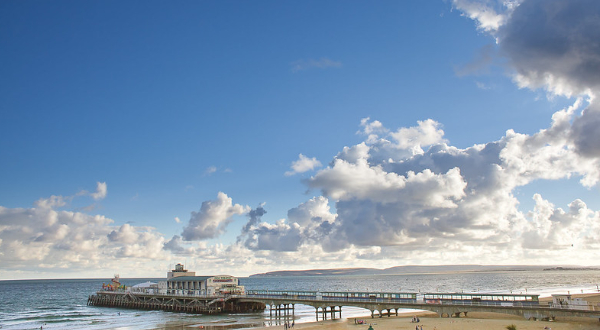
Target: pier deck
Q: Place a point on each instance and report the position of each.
(386, 306)
(174, 303)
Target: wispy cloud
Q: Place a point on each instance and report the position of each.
(482, 86)
(322, 63)
(101, 191)
(213, 169)
(480, 64)
(210, 170)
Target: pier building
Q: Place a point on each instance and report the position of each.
(180, 281)
(182, 291)
(204, 285)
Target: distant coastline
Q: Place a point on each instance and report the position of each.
(572, 268)
(403, 270)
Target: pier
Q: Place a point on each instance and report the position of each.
(174, 303)
(387, 304)
(328, 305)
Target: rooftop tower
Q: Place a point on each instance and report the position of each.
(179, 271)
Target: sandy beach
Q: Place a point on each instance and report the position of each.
(486, 321)
(431, 321)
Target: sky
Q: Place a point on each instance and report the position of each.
(241, 137)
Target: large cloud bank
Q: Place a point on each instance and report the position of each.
(402, 193)
(46, 237)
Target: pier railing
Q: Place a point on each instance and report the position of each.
(417, 304)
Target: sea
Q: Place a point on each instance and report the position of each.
(62, 303)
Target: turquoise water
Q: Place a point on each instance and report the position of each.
(61, 304)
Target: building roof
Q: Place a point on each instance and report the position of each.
(188, 278)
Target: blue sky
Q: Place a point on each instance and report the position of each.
(137, 113)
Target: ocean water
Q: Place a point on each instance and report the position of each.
(62, 304)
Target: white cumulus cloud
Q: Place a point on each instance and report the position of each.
(303, 164)
(489, 14)
(212, 219)
(101, 191)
